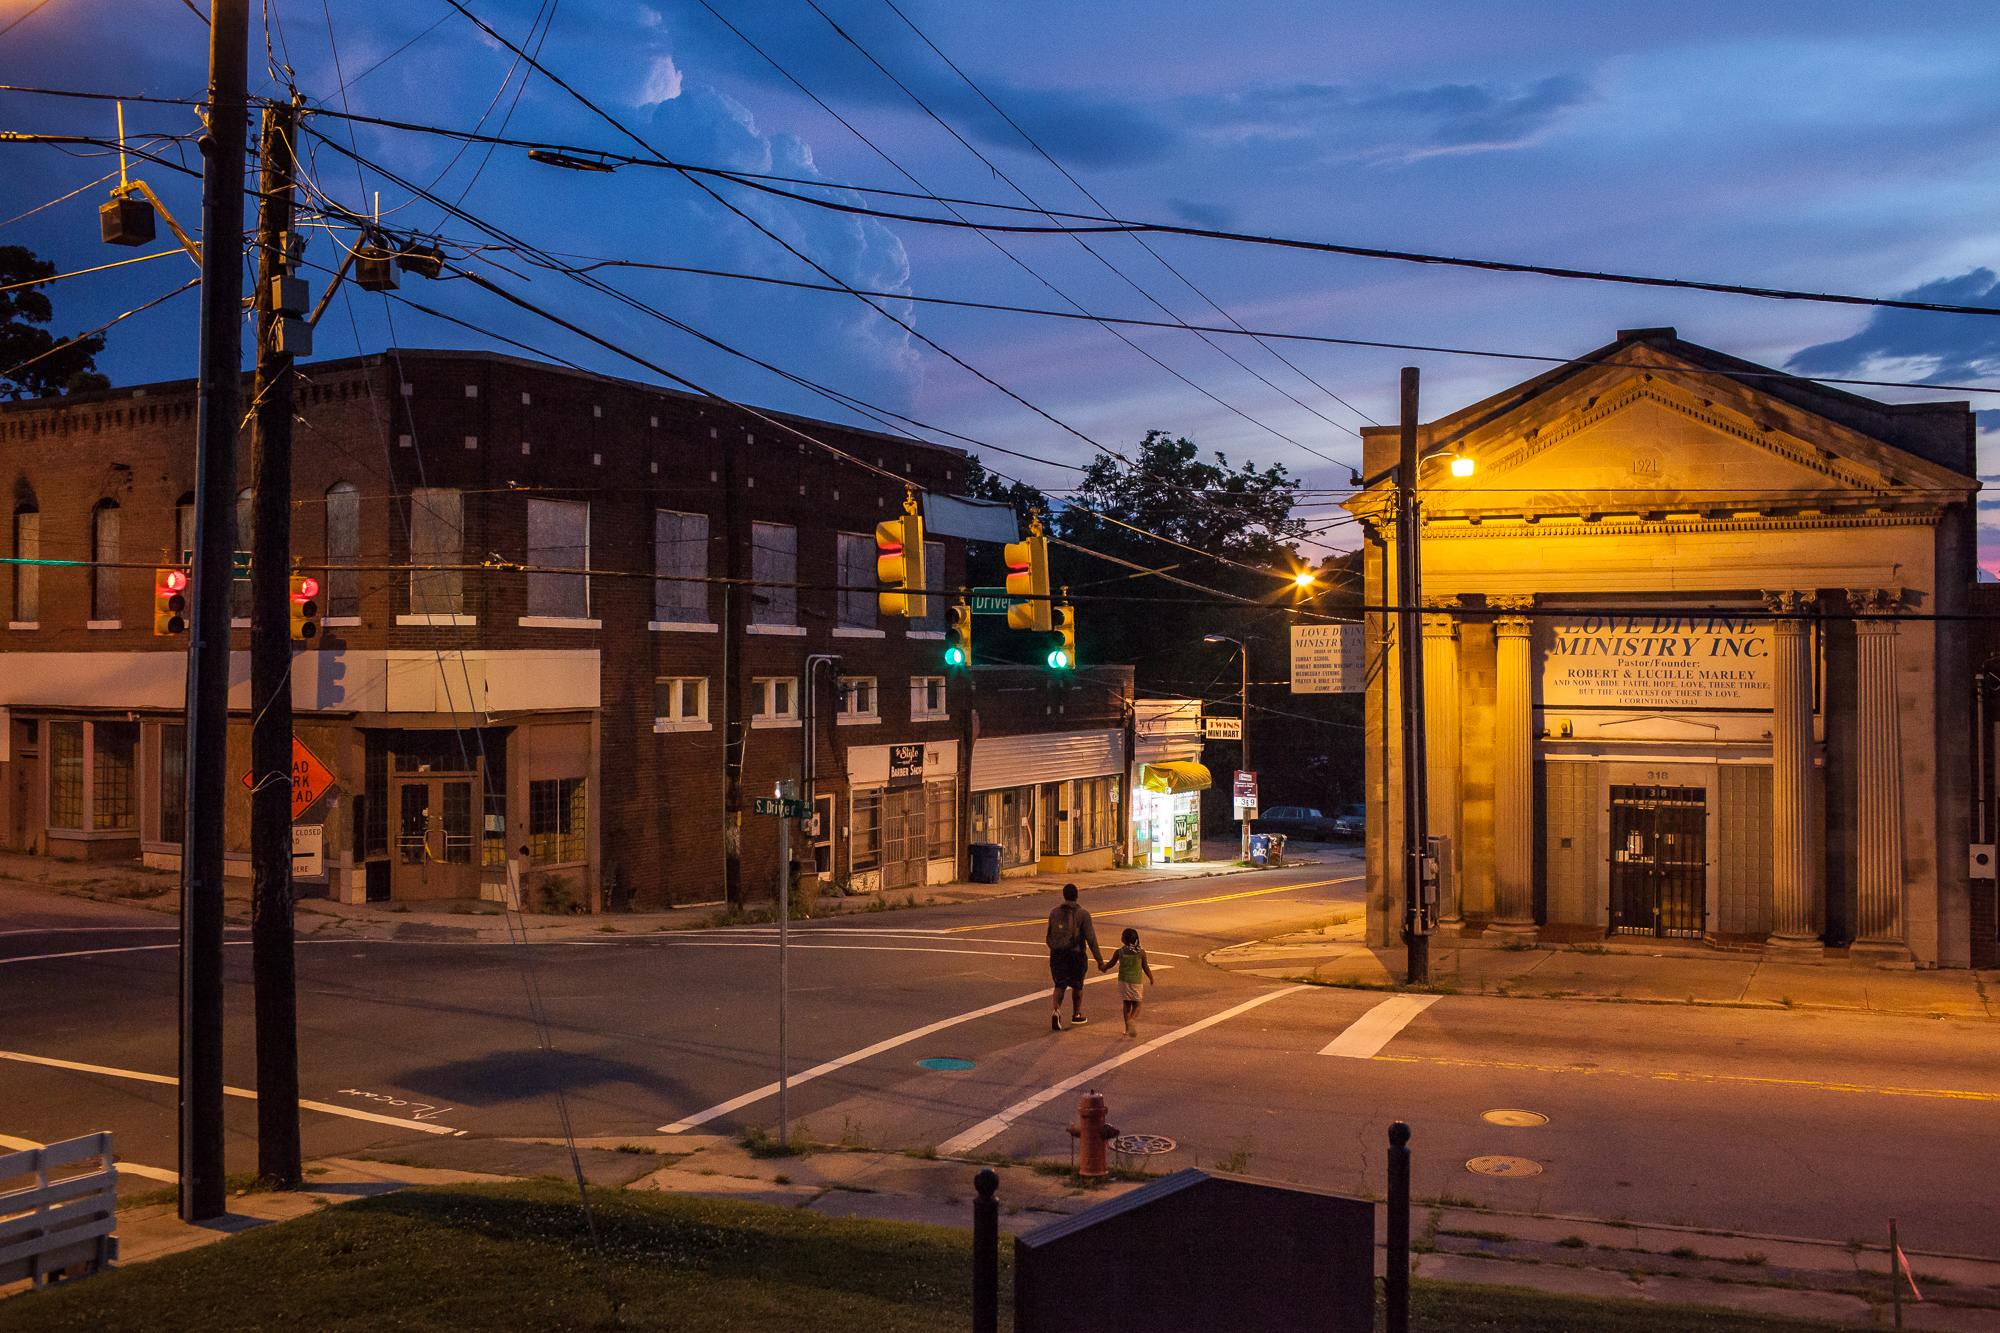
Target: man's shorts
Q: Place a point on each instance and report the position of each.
(1067, 967)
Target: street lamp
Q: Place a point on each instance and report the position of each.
(1243, 725)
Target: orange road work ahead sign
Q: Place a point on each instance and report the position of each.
(310, 779)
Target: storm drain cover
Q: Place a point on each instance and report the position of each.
(1525, 1119)
(946, 1062)
(1504, 1166)
(1142, 1145)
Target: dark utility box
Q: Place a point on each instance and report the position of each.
(1201, 1251)
(126, 221)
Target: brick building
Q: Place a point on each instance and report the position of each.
(587, 725)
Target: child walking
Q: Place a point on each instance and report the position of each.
(1130, 960)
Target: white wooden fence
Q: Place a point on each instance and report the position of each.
(52, 1224)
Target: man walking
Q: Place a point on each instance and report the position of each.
(1070, 936)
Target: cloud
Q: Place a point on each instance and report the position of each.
(663, 82)
(1393, 125)
(1214, 217)
(1932, 348)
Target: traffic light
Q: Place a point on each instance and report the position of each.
(305, 608)
(899, 562)
(1062, 642)
(1028, 577)
(170, 603)
(958, 638)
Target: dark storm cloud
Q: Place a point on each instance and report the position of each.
(1212, 216)
(1958, 347)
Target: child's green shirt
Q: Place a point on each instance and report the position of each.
(1131, 964)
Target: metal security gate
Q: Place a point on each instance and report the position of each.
(1659, 861)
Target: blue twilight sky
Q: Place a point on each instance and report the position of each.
(1826, 145)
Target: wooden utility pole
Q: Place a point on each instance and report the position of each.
(220, 411)
(272, 965)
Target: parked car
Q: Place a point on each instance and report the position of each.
(1295, 821)
(1351, 822)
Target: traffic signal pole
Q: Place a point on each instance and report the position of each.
(220, 409)
(1409, 654)
(272, 963)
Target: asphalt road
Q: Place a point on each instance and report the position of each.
(1796, 1123)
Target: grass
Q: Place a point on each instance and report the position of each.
(517, 1257)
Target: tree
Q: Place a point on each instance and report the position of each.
(1237, 513)
(33, 362)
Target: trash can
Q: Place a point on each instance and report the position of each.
(985, 862)
(1278, 848)
(1260, 849)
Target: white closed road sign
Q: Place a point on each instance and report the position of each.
(307, 840)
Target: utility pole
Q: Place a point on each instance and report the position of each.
(272, 963)
(220, 398)
(1409, 654)
(738, 603)
(1243, 734)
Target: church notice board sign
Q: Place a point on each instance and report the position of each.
(1328, 659)
(1703, 662)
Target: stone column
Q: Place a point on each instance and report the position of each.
(1513, 773)
(1441, 743)
(1795, 909)
(1879, 777)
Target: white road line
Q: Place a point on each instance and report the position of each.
(771, 1089)
(838, 948)
(992, 1125)
(129, 1168)
(1375, 1029)
(91, 953)
(171, 1081)
(86, 930)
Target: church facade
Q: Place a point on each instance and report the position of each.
(1691, 664)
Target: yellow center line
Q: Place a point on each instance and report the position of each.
(1161, 907)
(1673, 1076)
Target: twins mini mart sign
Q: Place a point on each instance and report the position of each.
(1655, 662)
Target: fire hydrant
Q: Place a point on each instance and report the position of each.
(1092, 1134)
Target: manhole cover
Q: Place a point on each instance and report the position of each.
(1526, 1119)
(1142, 1145)
(946, 1062)
(1504, 1166)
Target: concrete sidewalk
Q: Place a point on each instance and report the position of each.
(1629, 969)
(469, 921)
(1806, 1278)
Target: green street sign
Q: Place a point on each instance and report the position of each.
(783, 807)
(990, 601)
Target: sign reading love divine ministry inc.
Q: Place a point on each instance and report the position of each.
(1655, 661)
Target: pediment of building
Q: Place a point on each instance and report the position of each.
(1629, 440)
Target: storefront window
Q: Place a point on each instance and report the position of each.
(1096, 814)
(942, 798)
(557, 824)
(66, 775)
(865, 836)
(113, 779)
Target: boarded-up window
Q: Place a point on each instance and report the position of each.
(865, 840)
(559, 537)
(774, 567)
(941, 799)
(933, 617)
(246, 530)
(27, 578)
(858, 598)
(104, 550)
(343, 549)
(680, 553)
(437, 537)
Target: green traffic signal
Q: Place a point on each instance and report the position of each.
(1059, 659)
(954, 656)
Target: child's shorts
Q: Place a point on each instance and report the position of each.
(1129, 991)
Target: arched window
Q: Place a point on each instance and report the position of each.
(246, 531)
(104, 550)
(27, 578)
(343, 548)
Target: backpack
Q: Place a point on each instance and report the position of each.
(1066, 927)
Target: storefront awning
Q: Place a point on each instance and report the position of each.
(1175, 775)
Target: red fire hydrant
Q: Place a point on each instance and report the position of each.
(1092, 1134)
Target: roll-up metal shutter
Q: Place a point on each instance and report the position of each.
(1015, 761)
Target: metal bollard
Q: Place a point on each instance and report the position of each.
(986, 1253)
(1396, 1276)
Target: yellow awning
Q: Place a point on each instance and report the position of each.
(1175, 775)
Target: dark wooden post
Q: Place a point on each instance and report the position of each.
(1396, 1279)
(986, 1253)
